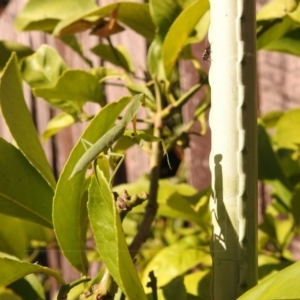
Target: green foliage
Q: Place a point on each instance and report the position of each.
(11, 97)
(177, 247)
(69, 193)
(281, 285)
(7, 47)
(117, 56)
(110, 242)
(179, 32)
(15, 269)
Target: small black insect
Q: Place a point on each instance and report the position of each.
(206, 53)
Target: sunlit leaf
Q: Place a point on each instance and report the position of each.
(270, 265)
(287, 130)
(68, 195)
(296, 204)
(118, 56)
(73, 43)
(270, 170)
(198, 284)
(42, 68)
(277, 9)
(67, 89)
(15, 269)
(270, 119)
(33, 204)
(132, 14)
(58, 123)
(154, 59)
(175, 200)
(163, 14)
(141, 88)
(44, 15)
(28, 287)
(275, 32)
(19, 120)
(104, 73)
(8, 294)
(6, 49)
(179, 32)
(10, 227)
(175, 260)
(110, 240)
(283, 285)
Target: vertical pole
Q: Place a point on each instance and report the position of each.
(233, 159)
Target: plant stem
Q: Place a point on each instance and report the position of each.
(165, 113)
(155, 161)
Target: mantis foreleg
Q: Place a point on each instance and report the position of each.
(111, 177)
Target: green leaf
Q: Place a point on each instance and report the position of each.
(141, 88)
(283, 285)
(74, 85)
(6, 49)
(163, 14)
(283, 230)
(175, 200)
(200, 30)
(289, 43)
(198, 284)
(15, 269)
(68, 195)
(73, 43)
(154, 59)
(44, 15)
(179, 32)
(276, 227)
(104, 73)
(269, 168)
(287, 130)
(10, 227)
(58, 123)
(17, 197)
(132, 14)
(270, 119)
(118, 56)
(7, 294)
(277, 9)
(270, 265)
(275, 32)
(175, 260)
(37, 236)
(110, 240)
(19, 120)
(28, 287)
(296, 204)
(175, 289)
(43, 68)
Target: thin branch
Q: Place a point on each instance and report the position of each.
(155, 161)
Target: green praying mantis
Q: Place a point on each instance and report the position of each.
(110, 137)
